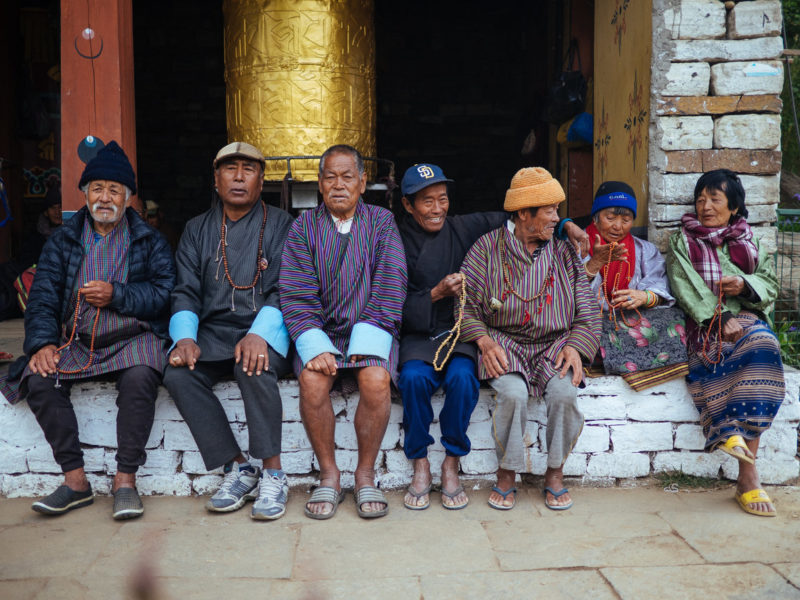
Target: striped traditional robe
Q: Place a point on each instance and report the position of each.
(570, 317)
(324, 285)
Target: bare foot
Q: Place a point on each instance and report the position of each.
(367, 479)
(451, 483)
(325, 480)
(554, 479)
(421, 480)
(505, 481)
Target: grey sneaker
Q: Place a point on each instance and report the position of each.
(239, 486)
(272, 495)
(62, 500)
(127, 504)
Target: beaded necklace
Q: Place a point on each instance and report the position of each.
(72, 337)
(260, 263)
(455, 332)
(612, 312)
(508, 288)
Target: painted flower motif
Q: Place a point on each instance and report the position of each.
(602, 353)
(662, 357)
(632, 368)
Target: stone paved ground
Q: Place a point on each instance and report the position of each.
(615, 543)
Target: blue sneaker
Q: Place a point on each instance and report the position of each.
(272, 495)
(239, 486)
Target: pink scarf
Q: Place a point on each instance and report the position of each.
(704, 241)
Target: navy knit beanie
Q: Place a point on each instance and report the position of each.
(614, 193)
(110, 164)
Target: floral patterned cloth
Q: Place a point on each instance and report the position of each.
(657, 340)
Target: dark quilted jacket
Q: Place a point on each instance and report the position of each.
(151, 277)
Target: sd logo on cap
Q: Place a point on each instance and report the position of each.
(421, 176)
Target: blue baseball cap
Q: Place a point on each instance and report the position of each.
(421, 176)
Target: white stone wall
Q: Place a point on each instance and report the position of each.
(627, 435)
(716, 81)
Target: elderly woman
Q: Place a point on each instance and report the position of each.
(725, 283)
(530, 311)
(627, 274)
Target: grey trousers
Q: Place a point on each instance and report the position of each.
(203, 413)
(564, 420)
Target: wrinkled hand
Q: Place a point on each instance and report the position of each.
(732, 330)
(493, 357)
(185, 354)
(732, 286)
(251, 351)
(601, 254)
(97, 293)
(44, 361)
(578, 237)
(568, 359)
(324, 363)
(449, 286)
(637, 298)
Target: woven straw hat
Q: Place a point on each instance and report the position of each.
(533, 186)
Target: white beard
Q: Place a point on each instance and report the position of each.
(103, 219)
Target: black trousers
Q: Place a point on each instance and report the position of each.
(203, 413)
(136, 404)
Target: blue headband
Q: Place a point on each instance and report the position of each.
(614, 199)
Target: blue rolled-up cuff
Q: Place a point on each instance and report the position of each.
(560, 229)
(269, 325)
(368, 340)
(183, 324)
(312, 343)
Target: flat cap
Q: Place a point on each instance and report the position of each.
(239, 150)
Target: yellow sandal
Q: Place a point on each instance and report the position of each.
(737, 441)
(754, 497)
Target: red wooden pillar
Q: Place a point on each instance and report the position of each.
(96, 85)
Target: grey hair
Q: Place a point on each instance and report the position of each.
(342, 149)
(615, 210)
(85, 190)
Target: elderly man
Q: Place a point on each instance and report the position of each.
(435, 246)
(531, 313)
(226, 320)
(98, 306)
(343, 282)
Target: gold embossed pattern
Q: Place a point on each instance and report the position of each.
(300, 76)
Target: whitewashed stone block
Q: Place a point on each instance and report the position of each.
(98, 432)
(101, 484)
(391, 437)
(696, 19)
(479, 462)
(156, 435)
(593, 439)
(481, 412)
(700, 464)
(600, 408)
(29, 485)
(536, 461)
(748, 131)
(667, 407)
(293, 437)
(396, 414)
(667, 461)
(40, 460)
(727, 50)
(619, 465)
(481, 436)
(575, 465)
(241, 436)
(767, 238)
(165, 407)
(761, 189)
(641, 437)
(762, 213)
(730, 79)
(13, 459)
(18, 426)
(297, 463)
(161, 462)
(778, 441)
(778, 471)
(192, 463)
(672, 188)
(234, 409)
(206, 485)
(686, 133)
(687, 79)
(396, 462)
(346, 460)
(537, 411)
(178, 437)
(177, 484)
(755, 19)
(690, 437)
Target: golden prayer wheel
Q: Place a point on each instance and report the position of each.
(300, 77)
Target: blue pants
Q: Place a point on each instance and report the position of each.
(418, 382)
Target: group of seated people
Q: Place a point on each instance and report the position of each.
(346, 295)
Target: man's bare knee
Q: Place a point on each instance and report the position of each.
(373, 381)
(314, 387)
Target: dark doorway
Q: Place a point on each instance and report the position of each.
(460, 84)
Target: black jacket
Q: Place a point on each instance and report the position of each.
(430, 257)
(151, 277)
